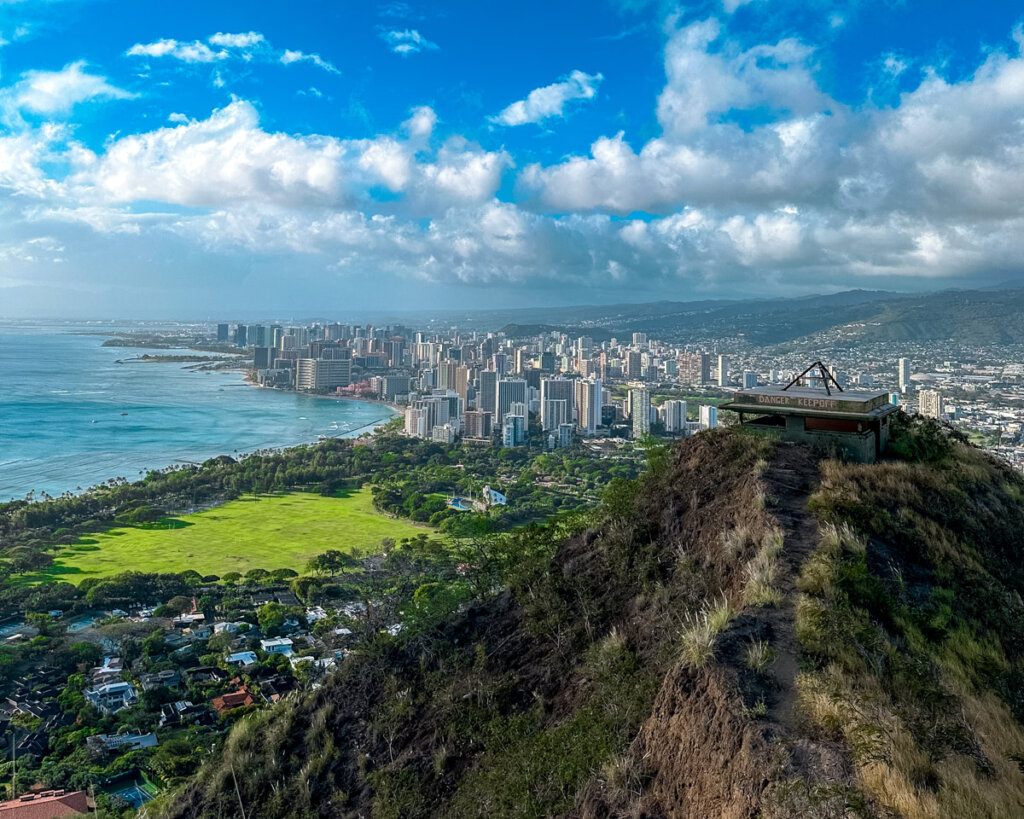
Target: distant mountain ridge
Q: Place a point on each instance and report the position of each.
(978, 317)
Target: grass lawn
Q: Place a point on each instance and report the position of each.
(278, 532)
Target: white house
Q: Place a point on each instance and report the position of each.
(279, 645)
(111, 697)
(241, 658)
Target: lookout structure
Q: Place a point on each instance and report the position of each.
(854, 423)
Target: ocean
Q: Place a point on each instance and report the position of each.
(71, 417)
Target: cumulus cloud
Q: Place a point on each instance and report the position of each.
(708, 75)
(228, 159)
(57, 92)
(551, 100)
(246, 40)
(922, 188)
(406, 41)
(758, 180)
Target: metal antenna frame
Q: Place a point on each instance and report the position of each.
(826, 376)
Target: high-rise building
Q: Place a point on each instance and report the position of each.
(588, 405)
(477, 424)
(932, 404)
(447, 373)
(556, 400)
(513, 430)
(240, 335)
(723, 371)
(547, 362)
(694, 368)
(416, 422)
(443, 434)
(904, 374)
(487, 391)
(263, 358)
(634, 364)
(639, 339)
(554, 412)
(564, 438)
(222, 332)
(641, 411)
(510, 391)
(675, 416)
(392, 386)
(461, 385)
(322, 374)
(708, 417)
(749, 380)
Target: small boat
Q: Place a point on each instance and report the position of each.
(124, 413)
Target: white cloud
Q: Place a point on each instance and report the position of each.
(551, 100)
(758, 181)
(246, 40)
(407, 41)
(225, 158)
(289, 57)
(894, 65)
(21, 156)
(194, 52)
(422, 121)
(228, 160)
(247, 46)
(708, 75)
(57, 92)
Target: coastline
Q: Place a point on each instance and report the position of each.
(126, 420)
(395, 408)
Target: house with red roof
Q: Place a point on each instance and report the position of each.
(47, 805)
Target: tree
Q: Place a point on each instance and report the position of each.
(42, 621)
(271, 616)
(176, 758)
(71, 699)
(331, 562)
(179, 604)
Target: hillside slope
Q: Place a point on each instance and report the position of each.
(746, 631)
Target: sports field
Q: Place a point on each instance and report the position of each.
(278, 532)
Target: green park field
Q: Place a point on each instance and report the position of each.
(275, 532)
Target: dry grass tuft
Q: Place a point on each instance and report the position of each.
(734, 542)
(700, 632)
(760, 656)
(762, 571)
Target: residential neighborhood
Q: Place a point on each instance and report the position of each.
(139, 691)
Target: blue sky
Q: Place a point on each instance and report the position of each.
(214, 159)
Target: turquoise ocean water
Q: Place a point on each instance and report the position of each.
(71, 417)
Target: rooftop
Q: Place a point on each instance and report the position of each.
(806, 400)
(46, 805)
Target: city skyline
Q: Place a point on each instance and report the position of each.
(399, 156)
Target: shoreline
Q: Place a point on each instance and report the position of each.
(395, 408)
(177, 458)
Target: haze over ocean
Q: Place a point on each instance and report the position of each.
(62, 397)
